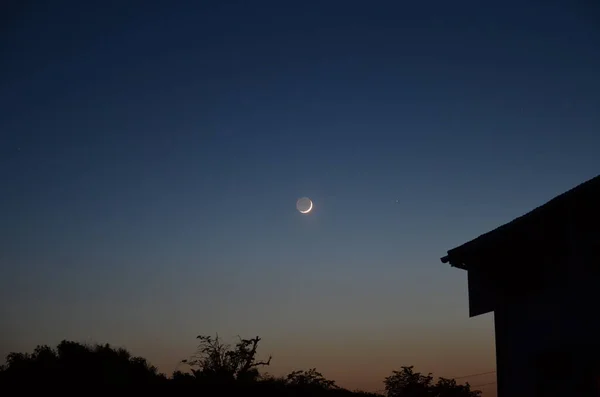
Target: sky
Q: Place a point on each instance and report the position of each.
(151, 156)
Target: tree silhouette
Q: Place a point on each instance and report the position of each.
(217, 369)
(449, 388)
(407, 383)
(219, 362)
(73, 362)
(311, 379)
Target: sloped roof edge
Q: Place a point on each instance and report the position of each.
(456, 255)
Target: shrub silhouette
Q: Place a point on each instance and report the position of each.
(310, 379)
(217, 369)
(407, 383)
(74, 362)
(217, 362)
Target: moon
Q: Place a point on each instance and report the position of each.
(304, 205)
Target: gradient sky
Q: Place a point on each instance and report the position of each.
(151, 155)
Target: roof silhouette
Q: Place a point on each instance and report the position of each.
(582, 201)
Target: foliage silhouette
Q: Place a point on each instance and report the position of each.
(218, 362)
(71, 361)
(216, 369)
(310, 379)
(407, 383)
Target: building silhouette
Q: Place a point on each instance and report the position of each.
(540, 275)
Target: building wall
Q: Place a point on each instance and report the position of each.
(548, 344)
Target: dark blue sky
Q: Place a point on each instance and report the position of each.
(151, 155)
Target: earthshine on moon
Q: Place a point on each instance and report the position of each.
(304, 205)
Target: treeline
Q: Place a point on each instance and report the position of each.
(215, 369)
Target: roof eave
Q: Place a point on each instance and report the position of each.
(453, 262)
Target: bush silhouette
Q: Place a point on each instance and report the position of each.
(407, 383)
(217, 362)
(310, 379)
(216, 369)
(73, 362)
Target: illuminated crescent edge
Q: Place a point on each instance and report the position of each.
(309, 208)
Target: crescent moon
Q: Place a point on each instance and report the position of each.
(309, 208)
